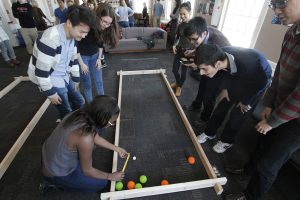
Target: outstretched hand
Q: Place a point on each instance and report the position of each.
(122, 152)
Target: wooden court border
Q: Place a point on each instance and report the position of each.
(213, 180)
(9, 157)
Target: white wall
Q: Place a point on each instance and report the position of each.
(270, 38)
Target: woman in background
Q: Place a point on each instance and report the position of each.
(181, 44)
(123, 12)
(90, 49)
(174, 20)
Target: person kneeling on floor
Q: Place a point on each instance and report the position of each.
(67, 152)
(249, 76)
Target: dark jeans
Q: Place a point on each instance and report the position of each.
(180, 78)
(123, 24)
(77, 181)
(208, 90)
(272, 152)
(173, 27)
(71, 99)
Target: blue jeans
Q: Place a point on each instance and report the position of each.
(71, 99)
(90, 61)
(123, 24)
(7, 51)
(77, 181)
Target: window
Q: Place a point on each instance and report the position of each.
(241, 19)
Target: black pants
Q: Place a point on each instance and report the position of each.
(208, 90)
(173, 28)
(271, 153)
(180, 78)
(236, 118)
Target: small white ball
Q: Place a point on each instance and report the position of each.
(134, 158)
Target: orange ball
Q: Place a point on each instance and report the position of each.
(191, 160)
(130, 185)
(164, 182)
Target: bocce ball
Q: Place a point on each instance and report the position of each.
(143, 179)
(119, 185)
(130, 185)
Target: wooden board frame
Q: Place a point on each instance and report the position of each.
(13, 84)
(9, 157)
(213, 180)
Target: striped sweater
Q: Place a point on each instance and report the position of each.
(284, 94)
(46, 55)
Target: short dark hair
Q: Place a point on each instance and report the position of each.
(80, 14)
(94, 115)
(196, 25)
(209, 54)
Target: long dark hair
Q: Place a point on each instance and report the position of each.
(110, 35)
(178, 3)
(94, 115)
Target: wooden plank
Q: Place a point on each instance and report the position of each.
(8, 88)
(138, 72)
(22, 138)
(156, 190)
(117, 134)
(208, 168)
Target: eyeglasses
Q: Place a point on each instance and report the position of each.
(278, 4)
(194, 39)
(105, 22)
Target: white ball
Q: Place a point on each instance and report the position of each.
(134, 158)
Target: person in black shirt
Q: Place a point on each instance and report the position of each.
(90, 49)
(23, 11)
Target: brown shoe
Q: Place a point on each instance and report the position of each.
(174, 85)
(178, 91)
(10, 63)
(15, 61)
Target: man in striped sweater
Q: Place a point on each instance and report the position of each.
(280, 124)
(53, 65)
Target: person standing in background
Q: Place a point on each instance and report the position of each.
(130, 18)
(22, 10)
(123, 12)
(158, 11)
(60, 12)
(145, 15)
(7, 50)
(70, 3)
(174, 21)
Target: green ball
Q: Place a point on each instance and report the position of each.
(143, 179)
(138, 186)
(119, 185)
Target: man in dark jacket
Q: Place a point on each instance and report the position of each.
(249, 76)
(199, 34)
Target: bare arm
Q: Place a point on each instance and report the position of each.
(85, 149)
(105, 144)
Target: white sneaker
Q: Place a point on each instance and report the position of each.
(203, 138)
(221, 147)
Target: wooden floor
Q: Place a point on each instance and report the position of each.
(22, 178)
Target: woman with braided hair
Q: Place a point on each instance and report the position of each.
(67, 152)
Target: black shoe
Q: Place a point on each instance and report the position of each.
(46, 187)
(235, 170)
(235, 196)
(194, 108)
